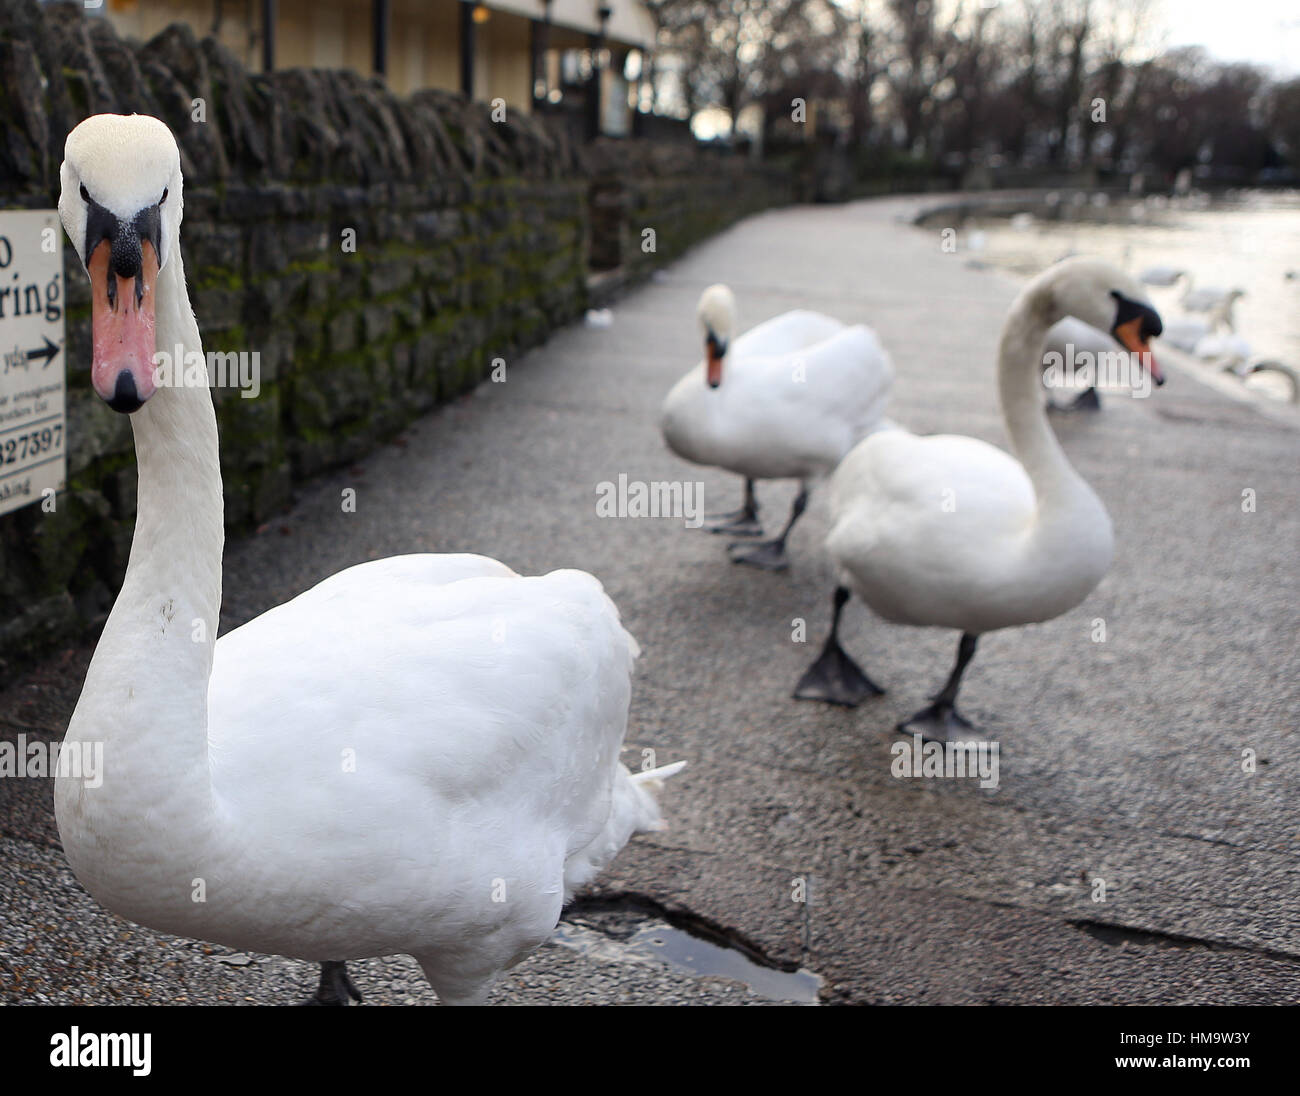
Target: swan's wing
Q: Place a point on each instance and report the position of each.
(898, 468)
(444, 701)
(821, 400)
(785, 334)
(926, 505)
(849, 374)
(426, 570)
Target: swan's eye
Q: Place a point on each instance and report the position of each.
(164, 197)
(85, 194)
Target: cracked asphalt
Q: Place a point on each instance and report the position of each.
(1121, 762)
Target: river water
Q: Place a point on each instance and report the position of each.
(1248, 240)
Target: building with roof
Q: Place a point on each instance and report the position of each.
(580, 58)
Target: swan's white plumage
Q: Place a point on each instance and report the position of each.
(798, 391)
(1210, 298)
(1222, 347)
(1163, 276)
(975, 567)
(1186, 334)
(949, 531)
(418, 755)
(411, 730)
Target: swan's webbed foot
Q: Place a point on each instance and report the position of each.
(739, 523)
(769, 556)
(1087, 400)
(836, 679)
(941, 722)
(335, 986)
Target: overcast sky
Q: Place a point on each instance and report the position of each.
(1266, 32)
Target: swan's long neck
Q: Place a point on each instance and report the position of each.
(179, 530)
(1056, 483)
(145, 696)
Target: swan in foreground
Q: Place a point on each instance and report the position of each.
(952, 532)
(419, 755)
(785, 400)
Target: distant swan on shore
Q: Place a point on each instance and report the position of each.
(785, 400)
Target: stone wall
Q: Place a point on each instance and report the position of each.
(474, 239)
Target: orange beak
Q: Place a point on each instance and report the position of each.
(1130, 336)
(123, 329)
(713, 369)
(713, 352)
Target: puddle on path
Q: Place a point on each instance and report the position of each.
(659, 942)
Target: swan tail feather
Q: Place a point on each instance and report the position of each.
(656, 777)
(646, 786)
(634, 810)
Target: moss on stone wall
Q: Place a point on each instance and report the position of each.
(474, 240)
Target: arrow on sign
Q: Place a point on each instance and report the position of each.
(47, 352)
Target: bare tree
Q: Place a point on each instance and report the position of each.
(1019, 80)
(1073, 25)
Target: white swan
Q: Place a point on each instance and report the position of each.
(1227, 349)
(419, 755)
(1212, 299)
(785, 400)
(1185, 334)
(1199, 338)
(952, 532)
(1216, 301)
(1165, 276)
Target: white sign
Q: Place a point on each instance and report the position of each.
(33, 431)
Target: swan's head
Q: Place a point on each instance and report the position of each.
(717, 315)
(1107, 298)
(121, 207)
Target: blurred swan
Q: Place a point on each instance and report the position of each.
(785, 400)
(1215, 301)
(1025, 539)
(1163, 276)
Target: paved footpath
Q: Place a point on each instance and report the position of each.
(1121, 762)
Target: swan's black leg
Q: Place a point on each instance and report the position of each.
(940, 721)
(770, 555)
(739, 523)
(1087, 400)
(834, 677)
(335, 986)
